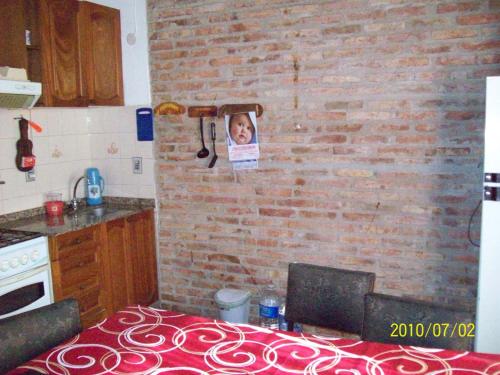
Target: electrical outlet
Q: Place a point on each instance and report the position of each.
(137, 165)
(30, 175)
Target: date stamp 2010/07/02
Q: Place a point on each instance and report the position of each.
(432, 329)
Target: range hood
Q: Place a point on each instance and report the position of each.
(19, 94)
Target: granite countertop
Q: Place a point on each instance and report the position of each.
(36, 221)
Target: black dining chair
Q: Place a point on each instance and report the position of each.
(27, 335)
(327, 297)
(407, 321)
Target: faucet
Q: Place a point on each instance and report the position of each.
(74, 202)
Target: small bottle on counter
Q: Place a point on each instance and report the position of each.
(283, 324)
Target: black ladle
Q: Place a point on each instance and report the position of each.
(203, 153)
(212, 133)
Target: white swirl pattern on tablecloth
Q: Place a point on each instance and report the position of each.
(142, 340)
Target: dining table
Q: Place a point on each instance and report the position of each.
(146, 340)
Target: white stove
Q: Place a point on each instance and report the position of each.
(25, 279)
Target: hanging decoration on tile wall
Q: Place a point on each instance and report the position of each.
(112, 149)
(25, 159)
(56, 153)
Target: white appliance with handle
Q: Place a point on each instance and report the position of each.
(488, 299)
(25, 278)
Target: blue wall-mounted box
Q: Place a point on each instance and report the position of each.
(144, 118)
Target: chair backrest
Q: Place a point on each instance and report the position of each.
(327, 297)
(27, 335)
(407, 321)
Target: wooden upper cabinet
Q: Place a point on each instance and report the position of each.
(74, 49)
(20, 42)
(12, 40)
(62, 84)
(100, 39)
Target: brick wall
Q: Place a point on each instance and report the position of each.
(371, 142)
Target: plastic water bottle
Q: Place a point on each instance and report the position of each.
(268, 308)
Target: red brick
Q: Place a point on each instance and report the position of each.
(478, 19)
(276, 212)
(468, 60)
(327, 115)
(490, 59)
(481, 46)
(420, 138)
(408, 61)
(453, 34)
(346, 128)
(348, 29)
(457, 7)
(461, 115)
(231, 60)
(332, 139)
(407, 11)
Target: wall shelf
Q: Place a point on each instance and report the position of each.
(231, 109)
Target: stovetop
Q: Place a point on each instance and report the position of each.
(10, 236)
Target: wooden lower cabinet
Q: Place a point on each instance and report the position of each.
(106, 267)
(117, 267)
(77, 271)
(142, 258)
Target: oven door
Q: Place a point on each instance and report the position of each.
(25, 291)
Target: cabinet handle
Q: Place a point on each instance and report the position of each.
(78, 241)
(82, 287)
(81, 264)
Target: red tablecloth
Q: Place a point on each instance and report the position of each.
(148, 341)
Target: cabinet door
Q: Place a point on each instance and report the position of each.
(119, 274)
(142, 257)
(12, 40)
(76, 262)
(62, 78)
(100, 39)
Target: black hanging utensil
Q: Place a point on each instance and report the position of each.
(203, 153)
(212, 133)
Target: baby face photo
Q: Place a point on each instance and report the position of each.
(241, 129)
(241, 134)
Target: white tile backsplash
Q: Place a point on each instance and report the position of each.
(143, 149)
(72, 140)
(9, 127)
(7, 152)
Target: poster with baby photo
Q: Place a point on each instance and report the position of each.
(242, 136)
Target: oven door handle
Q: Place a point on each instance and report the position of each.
(21, 276)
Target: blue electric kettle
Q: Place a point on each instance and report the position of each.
(95, 187)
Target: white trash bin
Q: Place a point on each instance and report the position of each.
(234, 305)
